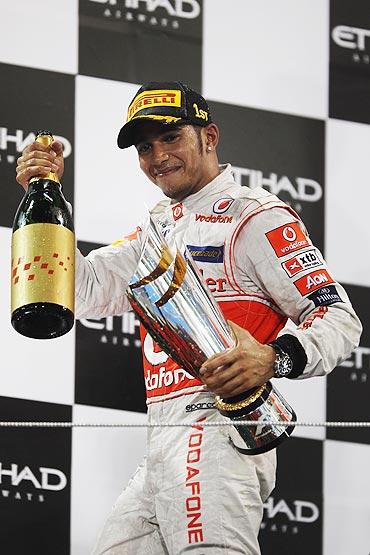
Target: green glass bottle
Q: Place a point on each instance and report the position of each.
(43, 259)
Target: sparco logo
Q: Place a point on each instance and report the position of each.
(200, 406)
(286, 516)
(151, 12)
(120, 330)
(47, 479)
(20, 139)
(298, 188)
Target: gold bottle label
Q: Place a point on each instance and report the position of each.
(43, 265)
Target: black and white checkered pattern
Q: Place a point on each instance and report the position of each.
(289, 84)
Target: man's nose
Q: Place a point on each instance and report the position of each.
(159, 152)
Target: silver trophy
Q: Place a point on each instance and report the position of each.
(175, 306)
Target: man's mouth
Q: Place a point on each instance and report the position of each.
(165, 171)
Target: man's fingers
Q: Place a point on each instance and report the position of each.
(57, 147)
(25, 174)
(222, 359)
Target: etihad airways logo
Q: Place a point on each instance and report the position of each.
(20, 482)
(281, 515)
(300, 189)
(353, 39)
(162, 13)
(17, 140)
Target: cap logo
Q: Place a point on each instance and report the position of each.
(202, 114)
(162, 97)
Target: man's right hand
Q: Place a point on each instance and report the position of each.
(38, 160)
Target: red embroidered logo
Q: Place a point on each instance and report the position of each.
(287, 238)
(313, 281)
(177, 211)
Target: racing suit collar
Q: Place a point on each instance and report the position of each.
(213, 189)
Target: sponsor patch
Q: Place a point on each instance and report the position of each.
(159, 97)
(303, 261)
(313, 281)
(222, 205)
(200, 406)
(211, 218)
(177, 211)
(207, 254)
(287, 238)
(325, 296)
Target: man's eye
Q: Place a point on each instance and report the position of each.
(142, 149)
(170, 138)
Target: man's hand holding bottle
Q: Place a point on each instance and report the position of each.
(38, 160)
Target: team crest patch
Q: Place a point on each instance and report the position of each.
(222, 205)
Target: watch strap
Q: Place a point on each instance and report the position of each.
(290, 345)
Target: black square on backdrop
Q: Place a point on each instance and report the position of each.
(141, 40)
(348, 386)
(292, 521)
(285, 154)
(35, 469)
(349, 79)
(109, 370)
(32, 100)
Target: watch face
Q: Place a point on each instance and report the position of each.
(283, 365)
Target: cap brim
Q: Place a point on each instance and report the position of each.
(126, 135)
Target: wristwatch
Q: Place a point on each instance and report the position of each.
(283, 364)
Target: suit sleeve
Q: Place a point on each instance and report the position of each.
(274, 249)
(102, 278)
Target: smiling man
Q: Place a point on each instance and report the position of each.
(195, 492)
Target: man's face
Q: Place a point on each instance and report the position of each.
(174, 159)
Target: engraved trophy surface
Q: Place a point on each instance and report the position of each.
(175, 306)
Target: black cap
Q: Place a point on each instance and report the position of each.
(170, 103)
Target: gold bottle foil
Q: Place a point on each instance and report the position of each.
(45, 140)
(43, 265)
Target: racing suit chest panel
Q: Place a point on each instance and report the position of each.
(206, 234)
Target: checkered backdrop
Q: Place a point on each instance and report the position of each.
(289, 83)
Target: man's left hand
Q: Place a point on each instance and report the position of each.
(249, 364)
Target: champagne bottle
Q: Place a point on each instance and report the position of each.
(43, 259)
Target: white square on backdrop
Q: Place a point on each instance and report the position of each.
(103, 461)
(40, 34)
(346, 498)
(111, 192)
(347, 209)
(268, 54)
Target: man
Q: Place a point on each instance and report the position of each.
(195, 492)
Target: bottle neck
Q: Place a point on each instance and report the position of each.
(40, 183)
(51, 176)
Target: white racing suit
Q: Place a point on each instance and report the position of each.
(195, 492)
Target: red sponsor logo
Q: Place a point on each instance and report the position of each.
(318, 313)
(213, 219)
(193, 502)
(313, 281)
(293, 266)
(287, 238)
(222, 205)
(177, 211)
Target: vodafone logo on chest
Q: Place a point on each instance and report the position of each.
(177, 211)
(314, 280)
(287, 238)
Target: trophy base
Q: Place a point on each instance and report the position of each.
(261, 405)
